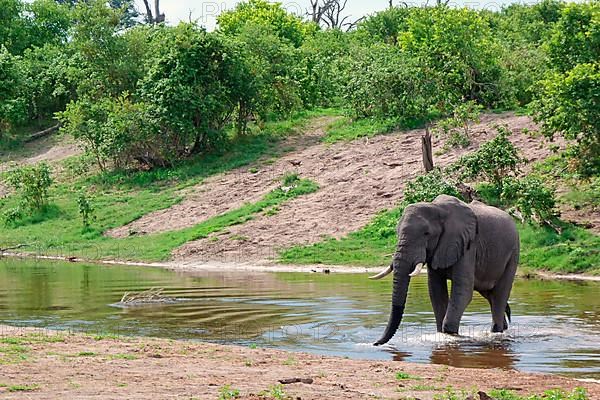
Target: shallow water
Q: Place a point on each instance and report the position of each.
(556, 325)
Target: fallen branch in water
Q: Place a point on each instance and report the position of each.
(151, 296)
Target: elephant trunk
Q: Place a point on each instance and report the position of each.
(401, 281)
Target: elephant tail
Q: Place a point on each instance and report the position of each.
(508, 312)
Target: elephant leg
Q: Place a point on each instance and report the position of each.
(499, 297)
(438, 293)
(487, 294)
(463, 280)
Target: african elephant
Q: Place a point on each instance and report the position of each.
(474, 245)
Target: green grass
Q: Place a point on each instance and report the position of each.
(347, 129)
(93, 245)
(573, 250)
(23, 388)
(402, 376)
(369, 246)
(122, 197)
(555, 394)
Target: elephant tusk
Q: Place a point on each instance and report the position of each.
(382, 274)
(417, 270)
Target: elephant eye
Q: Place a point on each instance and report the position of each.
(427, 233)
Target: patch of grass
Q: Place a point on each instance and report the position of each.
(290, 361)
(227, 393)
(128, 357)
(401, 376)
(555, 394)
(347, 129)
(573, 250)
(23, 388)
(13, 353)
(93, 245)
(274, 392)
(86, 354)
(425, 388)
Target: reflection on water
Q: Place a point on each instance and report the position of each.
(556, 325)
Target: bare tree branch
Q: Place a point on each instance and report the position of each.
(157, 17)
(149, 16)
(329, 13)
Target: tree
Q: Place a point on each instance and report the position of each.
(13, 105)
(269, 15)
(157, 17)
(568, 104)
(576, 36)
(330, 13)
(458, 44)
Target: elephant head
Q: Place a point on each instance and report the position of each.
(435, 234)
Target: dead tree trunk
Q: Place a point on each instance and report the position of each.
(427, 150)
(43, 133)
(157, 17)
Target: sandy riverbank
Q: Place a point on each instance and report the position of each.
(52, 365)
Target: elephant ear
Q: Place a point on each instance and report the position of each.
(459, 227)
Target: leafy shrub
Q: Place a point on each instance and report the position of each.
(12, 216)
(493, 161)
(268, 15)
(86, 209)
(290, 179)
(429, 186)
(530, 197)
(568, 104)
(32, 184)
(228, 393)
(575, 38)
(456, 128)
(457, 139)
(386, 82)
(13, 107)
(457, 44)
(384, 26)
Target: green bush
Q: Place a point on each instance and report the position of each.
(86, 209)
(493, 161)
(13, 106)
(429, 186)
(531, 197)
(568, 105)
(386, 82)
(457, 44)
(575, 38)
(32, 184)
(268, 15)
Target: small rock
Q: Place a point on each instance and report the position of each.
(484, 396)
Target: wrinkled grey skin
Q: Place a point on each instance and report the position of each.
(475, 245)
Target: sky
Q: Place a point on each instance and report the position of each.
(206, 11)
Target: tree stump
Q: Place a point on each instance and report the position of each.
(427, 150)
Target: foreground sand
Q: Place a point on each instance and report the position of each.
(50, 365)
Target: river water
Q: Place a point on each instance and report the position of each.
(555, 329)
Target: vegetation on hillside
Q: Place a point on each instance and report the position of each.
(158, 108)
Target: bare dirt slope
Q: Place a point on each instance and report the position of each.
(81, 367)
(356, 180)
(224, 192)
